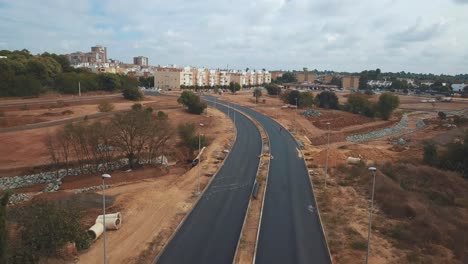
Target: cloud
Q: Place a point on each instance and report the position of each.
(272, 34)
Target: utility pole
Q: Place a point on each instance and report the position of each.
(79, 89)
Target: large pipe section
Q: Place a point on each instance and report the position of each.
(95, 231)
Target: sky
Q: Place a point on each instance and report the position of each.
(340, 35)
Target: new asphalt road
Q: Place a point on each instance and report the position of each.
(211, 231)
(290, 230)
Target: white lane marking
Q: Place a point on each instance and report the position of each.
(299, 153)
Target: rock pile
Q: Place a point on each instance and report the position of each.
(311, 112)
(53, 178)
(18, 198)
(92, 188)
(380, 133)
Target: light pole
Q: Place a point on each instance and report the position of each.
(295, 117)
(373, 170)
(104, 176)
(199, 160)
(328, 149)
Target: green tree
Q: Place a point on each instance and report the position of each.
(132, 93)
(306, 99)
(359, 104)
(442, 115)
(327, 99)
(68, 83)
(46, 227)
(336, 81)
(109, 81)
(257, 92)
(273, 89)
(192, 102)
(363, 83)
(189, 137)
(287, 77)
(386, 104)
(290, 96)
(399, 85)
(234, 87)
(430, 154)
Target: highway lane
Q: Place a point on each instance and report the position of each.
(211, 231)
(290, 230)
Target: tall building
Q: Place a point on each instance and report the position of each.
(350, 82)
(140, 60)
(101, 53)
(98, 54)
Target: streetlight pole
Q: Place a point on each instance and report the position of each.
(104, 176)
(199, 160)
(295, 117)
(373, 170)
(328, 149)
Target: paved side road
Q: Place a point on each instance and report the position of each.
(211, 231)
(290, 230)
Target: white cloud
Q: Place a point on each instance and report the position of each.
(274, 34)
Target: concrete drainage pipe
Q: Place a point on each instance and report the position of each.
(95, 231)
(113, 221)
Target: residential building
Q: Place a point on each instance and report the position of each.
(98, 54)
(379, 83)
(276, 74)
(458, 87)
(350, 82)
(101, 53)
(140, 60)
(168, 78)
(305, 76)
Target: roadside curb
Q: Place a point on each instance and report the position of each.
(199, 196)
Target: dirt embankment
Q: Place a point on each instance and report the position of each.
(153, 208)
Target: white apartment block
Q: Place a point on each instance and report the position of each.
(174, 77)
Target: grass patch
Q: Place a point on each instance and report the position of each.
(359, 245)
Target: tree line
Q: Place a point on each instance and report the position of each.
(357, 103)
(24, 74)
(136, 135)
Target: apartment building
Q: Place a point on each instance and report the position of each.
(168, 78)
(276, 74)
(98, 54)
(305, 76)
(140, 60)
(173, 78)
(350, 82)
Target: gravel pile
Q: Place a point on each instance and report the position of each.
(311, 112)
(380, 133)
(17, 198)
(92, 188)
(53, 178)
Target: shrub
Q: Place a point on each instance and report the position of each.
(327, 99)
(387, 103)
(162, 116)
(273, 89)
(132, 93)
(187, 133)
(105, 107)
(137, 107)
(306, 99)
(257, 92)
(359, 104)
(192, 102)
(45, 228)
(430, 154)
(442, 115)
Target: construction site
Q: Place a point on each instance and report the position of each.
(146, 205)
